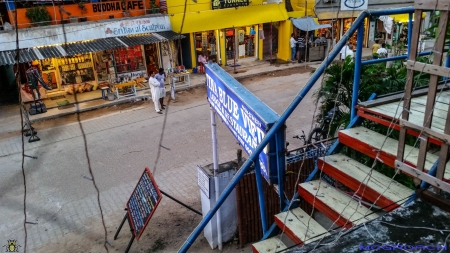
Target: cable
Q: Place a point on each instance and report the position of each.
(88, 159)
(17, 76)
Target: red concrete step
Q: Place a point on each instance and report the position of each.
(374, 184)
(270, 245)
(369, 142)
(336, 205)
(295, 224)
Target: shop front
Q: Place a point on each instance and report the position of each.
(87, 66)
(226, 31)
(340, 27)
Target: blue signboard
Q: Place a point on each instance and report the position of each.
(247, 117)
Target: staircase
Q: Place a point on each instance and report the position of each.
(369, 185)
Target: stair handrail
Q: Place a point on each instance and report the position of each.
(281, 121)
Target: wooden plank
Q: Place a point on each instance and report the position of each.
(335, 204)
(431, 97)
(423, 176)
(397, 97)
(428, 68)
(434, 199)
(409, 82)
(369, 142)
(296, 226)
(352, 173)
(271, 245)
(386, 121)
(438, 5)
(416, 117)
(444, 138)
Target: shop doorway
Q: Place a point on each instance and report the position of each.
(240, 42)
(271, 41)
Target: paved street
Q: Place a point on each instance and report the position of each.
(61, 199)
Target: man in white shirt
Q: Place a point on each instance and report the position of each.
(293, 43)
(382, 52)
(347, 51)
(154, 87)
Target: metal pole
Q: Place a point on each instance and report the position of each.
(281, 170)
(271, 46)
(357, 74)
(270, 134)
(410, 28)
(395, 58)
(260, 187)
(216, 175)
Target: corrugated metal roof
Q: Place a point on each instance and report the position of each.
(171, 35)
(28, 55)
(8, 57)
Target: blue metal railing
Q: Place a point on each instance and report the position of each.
(280, 123)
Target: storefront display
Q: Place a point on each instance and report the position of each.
(103, 61)
(49, 73)
(347, 23)
(335, 29)
(76, 69)
(129, 59)
(151, 58)
(205, 42)
(245, 39)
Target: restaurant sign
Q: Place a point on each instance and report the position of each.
(118, 6)
(137, 26)
(223, 4)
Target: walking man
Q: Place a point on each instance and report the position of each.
(154, 87)
(162, 91)
(293, 47)
(301, 48)
(382, 52)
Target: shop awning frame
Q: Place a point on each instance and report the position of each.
(308, 24)
(69, 49)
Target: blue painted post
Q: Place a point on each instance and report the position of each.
(262, 204)
(281, 168)
(357, 74)
(410, 28)
(280, 123)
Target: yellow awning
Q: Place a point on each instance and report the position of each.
(404, 17)
(227, 18)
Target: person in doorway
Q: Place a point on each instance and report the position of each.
(293, 47)
(301, 48)
(201, 62)
(153, 83)
(34, 79)
(161, 76)
(375, 48)
(382, 52)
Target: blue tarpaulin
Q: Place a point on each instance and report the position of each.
(308, 24)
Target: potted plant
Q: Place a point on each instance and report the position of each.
(38, 15)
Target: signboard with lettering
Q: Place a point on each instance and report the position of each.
(118, 6)
(143, 202)
(203, 181)
(246, 116)
(137, 26)
(223, 4)
(350, 5)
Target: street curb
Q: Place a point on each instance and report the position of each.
(148, 97)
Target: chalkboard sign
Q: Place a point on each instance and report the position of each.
(143, 202)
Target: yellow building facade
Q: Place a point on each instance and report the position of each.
(220, 29)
